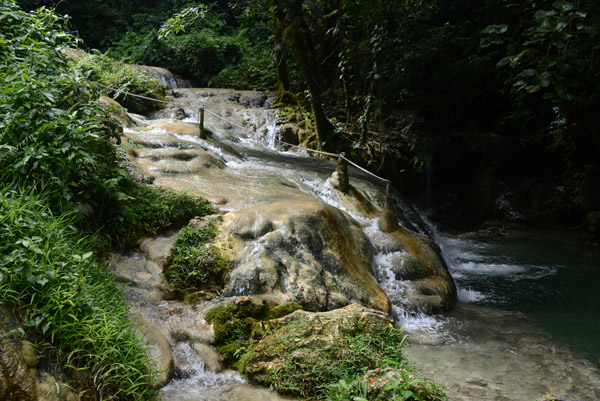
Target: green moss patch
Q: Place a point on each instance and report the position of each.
(353, 353)
(195, 262)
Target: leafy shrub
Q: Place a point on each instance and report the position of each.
(59, 179)
(109, 73)
(52, 136)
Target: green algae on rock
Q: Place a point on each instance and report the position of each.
(316, 355)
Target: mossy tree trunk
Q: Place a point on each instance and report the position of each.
(283, 81)
(304, 51)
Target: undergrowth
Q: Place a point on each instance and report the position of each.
(110, 73)
(195, 263)
(64, 196)
(68, 302)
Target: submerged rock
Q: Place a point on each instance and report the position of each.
(306, 251)
(176, 127)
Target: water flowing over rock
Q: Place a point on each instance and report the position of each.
(292, 234)
(308, 251)
(162, 76)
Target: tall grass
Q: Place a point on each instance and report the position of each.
(64, 195)
(62, 293)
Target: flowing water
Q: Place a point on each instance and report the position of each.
(528, 315)
(488, 348)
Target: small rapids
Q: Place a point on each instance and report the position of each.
(477, 351)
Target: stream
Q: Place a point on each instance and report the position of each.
(526, 318)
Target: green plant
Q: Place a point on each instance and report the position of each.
(67, 301)
(60, 181)
(341, 391)
(194, 262)
(108, 73)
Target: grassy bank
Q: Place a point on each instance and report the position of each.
(64, 199)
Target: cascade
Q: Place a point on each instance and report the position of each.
(240, 169)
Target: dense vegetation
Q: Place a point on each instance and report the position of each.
(64, 199)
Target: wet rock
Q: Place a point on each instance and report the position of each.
(409, 261)
(116, 111)
(157, 249)
(30, 355)
(289, 133)
(176, 127)
(169, 161)
(304, 250)
(51, 389)
(17, 379)
(252, 99)
(159, 349)
(339, 179)
(162, 76)
(133, 268)
(172, 113)
(199, 296)
(414, 260)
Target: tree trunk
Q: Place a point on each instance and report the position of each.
(304, 51)
(283, 83)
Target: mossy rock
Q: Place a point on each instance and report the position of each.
(235, 315)
(239, 323)
(199, 296)
(230, 352)
(282, 310)
(195, 262)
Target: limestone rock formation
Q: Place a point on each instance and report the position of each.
(159, 349)
(304, 250)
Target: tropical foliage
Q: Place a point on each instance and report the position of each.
(64, 196)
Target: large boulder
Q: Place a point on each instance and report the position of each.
(304, 337)
(326, 353)
(411, 263)
(304, 250)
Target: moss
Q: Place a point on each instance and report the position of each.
(282, 310)
(230, 352)
(240, 323)
(198, 296)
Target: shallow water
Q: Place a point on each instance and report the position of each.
(527, 321)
